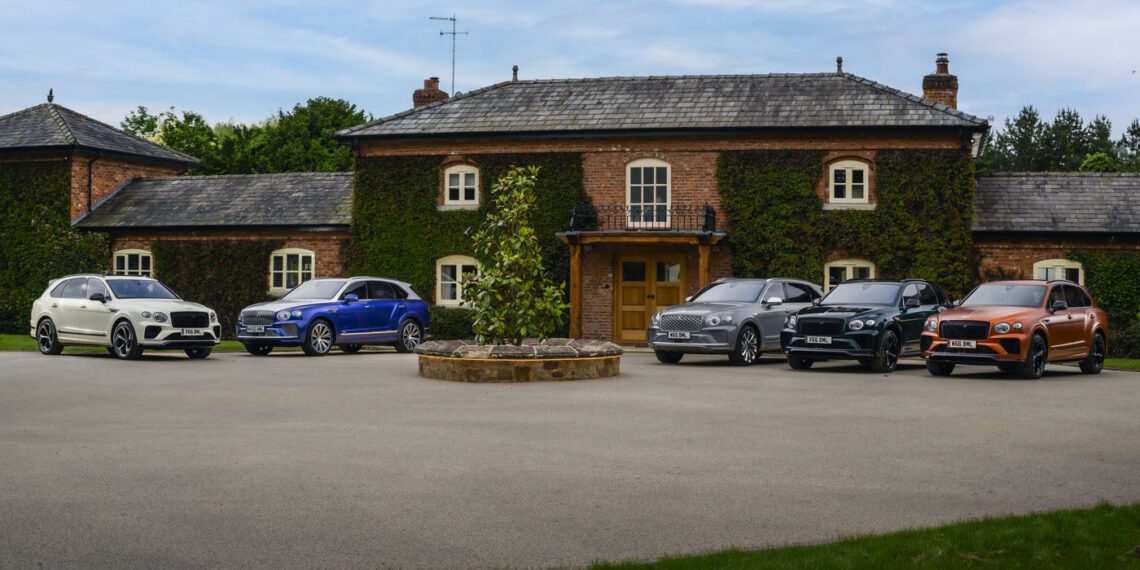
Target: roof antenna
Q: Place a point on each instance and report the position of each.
(454, 34)
(51, 95)
(839, 64)
(514, 73)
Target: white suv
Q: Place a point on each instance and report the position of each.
(124, 314)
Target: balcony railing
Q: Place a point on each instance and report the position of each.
(634, 218)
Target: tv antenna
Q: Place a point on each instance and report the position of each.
(453, 35)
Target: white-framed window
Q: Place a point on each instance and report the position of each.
(289, 268)
(648, 182)
(843, 270)
(847, 182)
(461, 186)
(449, 274)
(136, 262)
(1060, 269)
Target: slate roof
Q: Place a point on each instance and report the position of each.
(315, 200)
(1087, 202)
(668, 103)
(49, 125)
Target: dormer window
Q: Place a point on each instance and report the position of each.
(848, 184)
(461, 187)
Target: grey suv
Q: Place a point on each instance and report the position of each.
(737, 317)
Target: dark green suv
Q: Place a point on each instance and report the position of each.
(874, 322)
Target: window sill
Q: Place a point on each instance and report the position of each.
(452, 207)
(850, 206)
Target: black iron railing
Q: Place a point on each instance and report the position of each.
(612, 217)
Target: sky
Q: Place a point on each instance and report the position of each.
(242, 60)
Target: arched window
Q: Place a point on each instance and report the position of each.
(648, 185)
(289, 268)
(136, 262)
(449, 274)
(848, 182)
(1060, 269)
(843, 270)
(461, 186)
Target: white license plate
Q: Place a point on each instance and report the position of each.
(819, 340)
(193, 332)
(255, 328)
(679, 335)
(963, 344)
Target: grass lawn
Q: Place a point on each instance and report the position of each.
(1101, 537)
(24, 342)
(1123, 363)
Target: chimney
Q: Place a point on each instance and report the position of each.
(429, 94)
(941, 86)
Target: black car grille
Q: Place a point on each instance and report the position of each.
(820, 326)
(681, 322)
(975, 350)
(189, 320)
(965, 330)
(257, 317)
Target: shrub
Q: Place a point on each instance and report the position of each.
(451, 323)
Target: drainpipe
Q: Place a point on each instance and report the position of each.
(90, 177)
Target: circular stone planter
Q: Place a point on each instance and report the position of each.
(552, 359)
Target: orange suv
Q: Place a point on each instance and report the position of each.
(1018, 326)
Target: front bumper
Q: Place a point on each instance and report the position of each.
(996, 349)
(851, 345)
(157, 336)
(709, 340)
(277, 334)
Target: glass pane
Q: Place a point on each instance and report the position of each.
(469, 179)
(305, 276)
(840, 191)
(1042, 273)
(449, 291)
(840, 176)
(447, 273)
(647, 214)
(635, 214)
(861, 272)
(145, 259)
(635, 195)
(291, 280)
(469, 194)
(278, 263)
(469, 270)
(133, 262)
(668, 271)
(120, 264)
(306, 263)
(662, 175)
(857, 191)
(453, 180)
(857, 176)
(292, 262)
(662, 214)
(453, 194)
(633, 271)
(647, 175)
(836, 275)
(1071, 273)
(277, 283)
(662, 194)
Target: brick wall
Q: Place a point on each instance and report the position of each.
(1014, 256)
(107, 175)
(327, 247)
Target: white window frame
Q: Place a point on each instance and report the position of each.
(849, 266)
(125, 255)
(285, 271)
(458, 261)
(461, 170)
(1041, 268)
(849, 166)
(629, 204)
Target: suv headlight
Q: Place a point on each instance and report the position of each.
(159, 317)
(1001, 328)
(213, 317)
(283, 315)
(855, 325)
(714, 320)
(790, 322)
(655, 320)
(932, 325)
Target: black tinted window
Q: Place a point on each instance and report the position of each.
(1075, 297)
(798, 293)
(1057, 294)
(381, 290)
(399, 291)
(910, 292)
(775, 290)
(75, 289)
(95, 286)
(360, 290)
(926, 295)
(57, 291)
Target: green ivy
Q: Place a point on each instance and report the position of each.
(39, 242)
(921, 227)
(1111, 277)
(451, 323)
(190, 268)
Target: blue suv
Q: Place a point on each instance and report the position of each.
(348, 313)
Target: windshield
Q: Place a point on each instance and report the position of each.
(869, 293)
(140, 289)
(1006, 296)
(317, 289)
(730, 292)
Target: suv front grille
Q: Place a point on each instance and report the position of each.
(964, 330)
(190, 320)
(814, 326)
(257, 317)
(681, 322)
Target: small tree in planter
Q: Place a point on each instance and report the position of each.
(512, 296)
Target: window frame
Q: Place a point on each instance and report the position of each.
(629, 204)
(1059, 264)
(461, 203)
(285, 253)
(849, 165)
(849, 265)
(125, 255)
(459, 261)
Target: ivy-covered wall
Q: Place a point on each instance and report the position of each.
(39, 243)
(1111, 277)
(921, 227)
(398, 232)
(192, 269)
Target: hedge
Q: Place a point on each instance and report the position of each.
(451, 323)
(39, 242)
(1111, 277)
(225, 275)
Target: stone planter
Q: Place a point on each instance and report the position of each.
(552, 359)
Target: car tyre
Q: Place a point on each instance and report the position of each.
(318, 338)
(1094, 363)
(351, 348)
(1034, 365)
(124, 343)
(257, 349)
(668, 356)
(940, 368)
(197, 353)
(747, 349)
(47, 339)
(798, 363)
(410, 336)
(887, 357)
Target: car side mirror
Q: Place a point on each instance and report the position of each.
(351, 298)
(816, 300)
(1060, 306)
(98, 297)
(956, 303)
(689, 298)
(773, 301)
(912, 303)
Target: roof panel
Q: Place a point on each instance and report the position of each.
(1085, 202)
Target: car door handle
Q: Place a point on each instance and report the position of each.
(54, 305)
(85, 306)
(1070, 317)
(401, 306)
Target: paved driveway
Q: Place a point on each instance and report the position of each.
(352, 460)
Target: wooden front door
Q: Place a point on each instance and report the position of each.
(646, 283)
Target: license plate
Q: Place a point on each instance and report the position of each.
(963, 344)
(255, 328)
(819, 340)
(193, 332)
(679, 335)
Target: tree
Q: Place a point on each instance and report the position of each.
(1066, 142)
(1099, 137)
(1099, 162)
(512, 295)
(302, 139)
(1130, 147)
(141, 123)
(1017, 147)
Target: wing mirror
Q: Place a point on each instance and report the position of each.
(1060, 306)
(689, 298)
(351, 298)
(99, 297)
(912, 303)
(816, 300)
(956, 303)
(773, 301)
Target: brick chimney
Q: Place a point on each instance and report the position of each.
(429, 94)
(941, 86)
